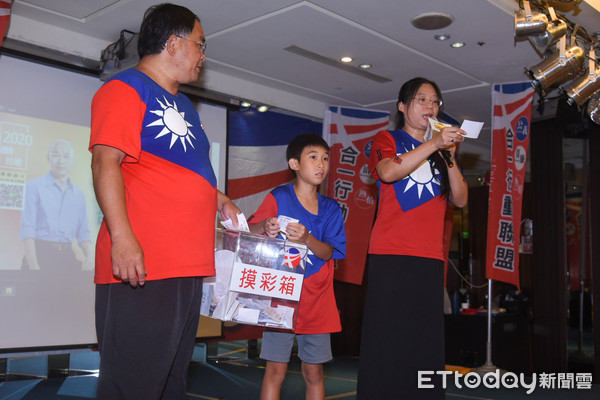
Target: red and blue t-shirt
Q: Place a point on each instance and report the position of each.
(171, 194)
(317, 311)
(410, 216)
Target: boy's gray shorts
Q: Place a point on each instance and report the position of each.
(312, 349)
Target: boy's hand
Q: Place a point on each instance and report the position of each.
(297, 232)
(272, 227)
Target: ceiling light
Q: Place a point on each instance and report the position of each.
(555, 70)
(262, 108)
(555, 29)
(584, 87)
(443, 36)
(593, 108)
(365, 66)
(346, 59)
(528, 23)
(245, 104)
(458, 45)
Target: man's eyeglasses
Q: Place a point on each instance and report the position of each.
(422, 100)
(201, 45)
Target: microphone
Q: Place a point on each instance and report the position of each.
(448, 157)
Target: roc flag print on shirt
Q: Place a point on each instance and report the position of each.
(411, 213)
(171, 194)
(317, 312)
(419, 186)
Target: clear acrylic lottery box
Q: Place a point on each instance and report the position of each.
(258, 281)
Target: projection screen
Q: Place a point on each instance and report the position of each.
(44, 115)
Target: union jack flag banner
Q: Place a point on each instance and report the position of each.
(511, 121)
(349, 133)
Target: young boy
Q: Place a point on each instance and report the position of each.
(321, 228)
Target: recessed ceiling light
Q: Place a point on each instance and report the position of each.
(262, 108)
(346, 59)
(365, 66)
(457, 45)
(442, 36)
(245, 103)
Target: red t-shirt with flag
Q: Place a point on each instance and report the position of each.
(170, 186)
(317, 311)
(410, 216)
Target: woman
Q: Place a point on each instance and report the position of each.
(403, 326)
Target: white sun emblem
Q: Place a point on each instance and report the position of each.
(422, 177)
(174, 123)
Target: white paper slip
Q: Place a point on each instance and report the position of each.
(284, 221)
(472, 128)
(248, 315)
(274, 313)
(242, 224)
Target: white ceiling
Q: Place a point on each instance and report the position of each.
(247, 42)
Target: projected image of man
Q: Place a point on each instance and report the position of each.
(54, 216)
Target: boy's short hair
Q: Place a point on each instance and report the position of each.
(302, 141)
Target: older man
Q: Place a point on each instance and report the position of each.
(156, 187)
(54, 216)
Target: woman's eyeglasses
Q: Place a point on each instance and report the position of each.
(422, 100)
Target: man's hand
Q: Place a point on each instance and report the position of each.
(227, 208)
(128, 261)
